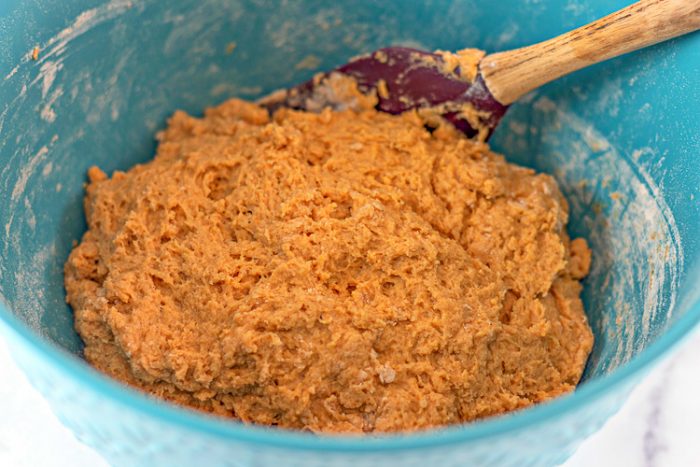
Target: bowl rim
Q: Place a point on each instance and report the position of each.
(170, 414)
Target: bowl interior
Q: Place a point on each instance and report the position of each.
(622, 138)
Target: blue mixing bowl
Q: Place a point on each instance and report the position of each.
(622, 139)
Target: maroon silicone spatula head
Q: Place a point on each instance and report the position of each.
(405, 79)
(460, 87)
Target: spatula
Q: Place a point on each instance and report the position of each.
(473, 90)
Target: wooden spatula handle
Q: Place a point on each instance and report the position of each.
(511, 74)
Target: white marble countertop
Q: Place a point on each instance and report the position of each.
(656, 427)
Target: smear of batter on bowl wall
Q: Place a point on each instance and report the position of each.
(339, 271)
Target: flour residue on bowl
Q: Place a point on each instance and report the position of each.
(637, 251)
(19, 203)
(83, 23)
(54, 50)
(41, 73)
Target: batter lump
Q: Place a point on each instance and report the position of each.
(341, 271)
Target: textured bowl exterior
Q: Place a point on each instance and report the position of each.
(128, 437)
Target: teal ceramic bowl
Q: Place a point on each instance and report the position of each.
(622, 139)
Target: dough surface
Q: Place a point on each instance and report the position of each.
(335, 272)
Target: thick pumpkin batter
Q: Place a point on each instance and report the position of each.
(337, 272)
